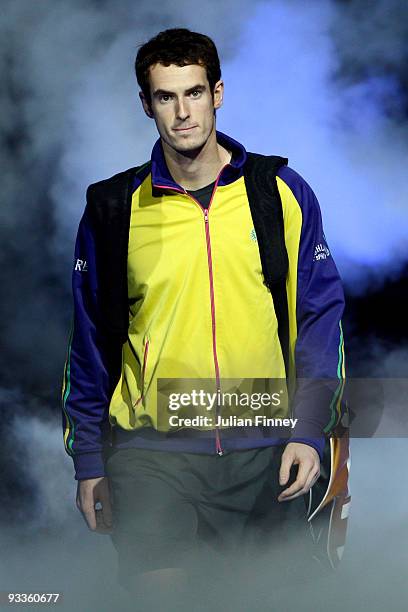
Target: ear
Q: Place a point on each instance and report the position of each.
(218, 94)
(146, 107)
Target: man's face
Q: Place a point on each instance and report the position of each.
(182, 105)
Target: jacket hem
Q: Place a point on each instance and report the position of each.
(194, 441)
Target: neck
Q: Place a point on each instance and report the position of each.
(196, 169)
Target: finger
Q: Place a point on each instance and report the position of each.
(313, 476)
(303, 490)
(296, 488)
(101, 526)
(88, 512)
(105, 500)
(84, 505)
(286, 464)
(287, 496)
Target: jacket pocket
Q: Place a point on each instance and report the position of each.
(144, 378)
(143, 371)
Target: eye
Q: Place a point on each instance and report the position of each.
(164, 97)
(196, 91)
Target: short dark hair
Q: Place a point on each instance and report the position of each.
(181, 47)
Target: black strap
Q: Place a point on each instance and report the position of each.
(267, 215)
(110, 205)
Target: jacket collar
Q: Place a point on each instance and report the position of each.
(161, 176)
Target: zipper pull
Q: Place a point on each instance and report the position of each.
(219, 449)
(206, 215)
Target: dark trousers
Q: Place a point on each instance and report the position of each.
(214, 516)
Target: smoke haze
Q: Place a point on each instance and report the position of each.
(324, 83)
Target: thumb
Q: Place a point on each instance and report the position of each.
(285, 468)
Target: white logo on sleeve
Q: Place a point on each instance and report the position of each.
(321, 251)
(81, 265)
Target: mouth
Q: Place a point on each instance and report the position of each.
(184, 129)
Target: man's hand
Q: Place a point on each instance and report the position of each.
(308, 460)
(89, 492)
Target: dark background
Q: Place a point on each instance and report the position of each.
(324, 83)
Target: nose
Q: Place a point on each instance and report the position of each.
(182, 110)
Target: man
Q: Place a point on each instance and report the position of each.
(197, 309)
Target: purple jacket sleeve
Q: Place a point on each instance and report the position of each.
(319, 349)
(85, 391)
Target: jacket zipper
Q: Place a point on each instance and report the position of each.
(218, 448)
